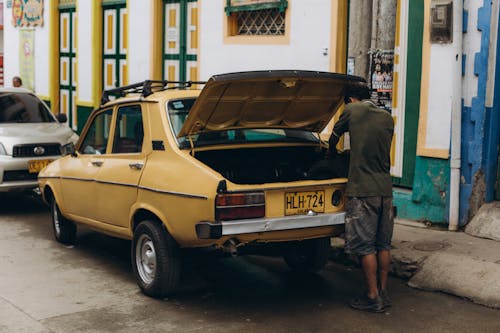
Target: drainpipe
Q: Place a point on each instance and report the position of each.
(456, 118)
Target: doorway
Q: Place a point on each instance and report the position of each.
(67, 63)
(180, 40)
(114, 44)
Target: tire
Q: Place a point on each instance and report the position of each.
(64, 229)
(308, 256)
(155, 260)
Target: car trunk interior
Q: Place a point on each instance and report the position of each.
(275, 164)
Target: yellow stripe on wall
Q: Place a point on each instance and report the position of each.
(110, 32)
(75, 35)
(125, 30)
(65, 33)
(65, 71)
(65, 103)
(171, 73)
(393, 145)
(172, 14)
(193, 73)
(75, 77)
(395, 81)
(194, 33)
(124, 74)
(109, 75)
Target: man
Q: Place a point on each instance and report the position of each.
(17, 82)
(369, 212)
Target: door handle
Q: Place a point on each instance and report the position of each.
(136, 166)
(96, 163)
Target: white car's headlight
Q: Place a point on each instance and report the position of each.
(2, 149)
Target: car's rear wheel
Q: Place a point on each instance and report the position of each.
(308, 256)
(155, 260)
(64, 229)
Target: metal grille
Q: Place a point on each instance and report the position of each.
(28, 150)
(18, 175)
(261, 22)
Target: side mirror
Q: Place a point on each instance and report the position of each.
(68, 149)
(62, 118)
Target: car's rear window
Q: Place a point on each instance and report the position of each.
(178, 111)
(23, 108)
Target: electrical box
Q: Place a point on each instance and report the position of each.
(441, 20)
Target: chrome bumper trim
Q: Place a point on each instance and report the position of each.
(283, 223)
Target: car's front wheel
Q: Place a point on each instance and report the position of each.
(309, 255)
(155, 260)
(64, 229)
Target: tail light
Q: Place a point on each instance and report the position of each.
(235, 206)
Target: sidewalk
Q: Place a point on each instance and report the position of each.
(466, 264)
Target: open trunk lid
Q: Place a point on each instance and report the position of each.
(281, 99)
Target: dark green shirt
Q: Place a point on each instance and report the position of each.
(370, 131)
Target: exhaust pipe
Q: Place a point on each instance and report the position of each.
(231, 247)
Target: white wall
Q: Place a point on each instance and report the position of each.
(309, 33)
(84, 52)
(11, 48)
(41, 58)
(440, 97)
(140, 40)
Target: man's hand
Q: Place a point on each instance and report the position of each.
(332, 142)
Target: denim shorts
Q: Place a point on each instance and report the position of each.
(369, 223)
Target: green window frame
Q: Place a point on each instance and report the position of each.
(281, 5)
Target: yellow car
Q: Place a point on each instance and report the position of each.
(236, 166)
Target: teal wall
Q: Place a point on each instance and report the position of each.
(428, 200)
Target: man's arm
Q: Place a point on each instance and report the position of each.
(341, 126)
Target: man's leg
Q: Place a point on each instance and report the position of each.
(384, 265)
(369, 266)
(361, 228)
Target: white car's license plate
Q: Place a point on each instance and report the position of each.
(35, 166)
(302, 202)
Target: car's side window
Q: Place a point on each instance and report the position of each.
(96, 138)
(129, 130)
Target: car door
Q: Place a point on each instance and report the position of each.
(78, 183)
(120, 173)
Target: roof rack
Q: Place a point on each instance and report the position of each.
(145, 88)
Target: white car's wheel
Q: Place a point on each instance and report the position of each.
(309, 255)
(64, 229)
(155, 260)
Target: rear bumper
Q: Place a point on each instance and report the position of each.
(208, 230)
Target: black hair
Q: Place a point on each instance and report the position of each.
(18, 79)
(360, 92)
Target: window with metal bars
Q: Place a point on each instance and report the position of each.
(265, 22)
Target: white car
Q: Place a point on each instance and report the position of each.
(30, 138)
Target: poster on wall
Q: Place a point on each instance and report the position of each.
(1, 15)
(27, 57)
(27, 13)
(381, 73)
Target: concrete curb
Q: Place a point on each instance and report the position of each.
(462, 276)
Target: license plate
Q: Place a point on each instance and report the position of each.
(297, 203)
(35, 166)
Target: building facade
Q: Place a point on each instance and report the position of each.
(431, 63)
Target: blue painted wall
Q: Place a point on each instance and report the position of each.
(479, 131)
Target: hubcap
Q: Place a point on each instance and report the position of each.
(145, 258)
